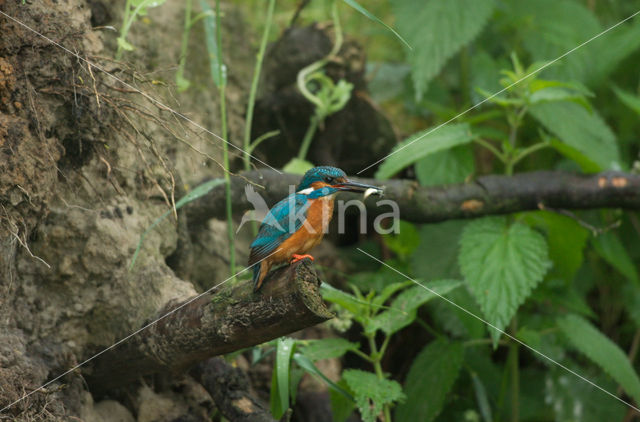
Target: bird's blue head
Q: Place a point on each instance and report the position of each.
(326, 180)
(321, 176)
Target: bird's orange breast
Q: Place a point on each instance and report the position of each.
(310, 233)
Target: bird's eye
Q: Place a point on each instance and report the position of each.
(328, 179)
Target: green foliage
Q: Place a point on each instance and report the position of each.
(446, 167)
(423, 144)
(328, 348)
(281, 378)
(502, 263)
(217, 68)
(430, 379)
(133, 9)
(566, 239)
(437, 30)
(403, 308)
(609, 247)
(371, 393)
(592, 137)
(371, 16)
(602, 351)
(630, 100)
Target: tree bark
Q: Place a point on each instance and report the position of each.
(229, 387)
(486, 195)
(221, 321)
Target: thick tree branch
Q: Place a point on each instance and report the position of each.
(485, 195)
(222, 321)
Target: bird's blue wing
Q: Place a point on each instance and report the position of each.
(279, 225)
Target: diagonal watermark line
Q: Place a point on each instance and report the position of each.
(504, 89)
(501, 331)
(128, 85)
(114, 345)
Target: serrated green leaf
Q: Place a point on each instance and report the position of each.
(422, 144)
(502, 264)
(327, 348)
(371, 393)
(446, 167)
(437, 30)
(591, 136)
(602, 351)
(430, 379)
(586, 164)
(609, 247)
(628, 99)
(550, 28)
(403, 309)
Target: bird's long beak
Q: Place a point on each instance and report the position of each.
(350, 186)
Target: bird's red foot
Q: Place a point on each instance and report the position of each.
(297, 257)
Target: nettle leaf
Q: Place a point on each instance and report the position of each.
(437, 30)
(403, 308)
(371, 393)
(550, 28)
(327, 348)
(446, 167)
(609, 247)
(592, 136)
(430, 379)
(502, 264)
(422, 144)
(602, 351)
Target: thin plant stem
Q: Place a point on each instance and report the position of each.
(225, 148)
(376, 358)
(491, 148)
(309, 70)
(308, 136)
(254, 84)
(529, 150)
(125, 18)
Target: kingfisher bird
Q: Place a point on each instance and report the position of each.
(297, 223)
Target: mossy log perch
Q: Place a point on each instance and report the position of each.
(486, 195)
(226, 319)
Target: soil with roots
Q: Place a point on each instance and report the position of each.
(86, 165)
